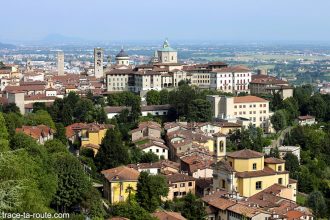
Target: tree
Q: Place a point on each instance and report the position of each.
(150, 189)
(199, 110)
(13, 121)
(290, 105)
(60, 133)
(55, 146)
(193, 208)
(4, 144)
(131, 211)
(92, 202)
(11, 107)
(317, 107)
(279, 119)
(40, 117)
(83, 111)
(136, 109)
(317, 202)
(153, 97)
(72, 181)
(164, 97)
(292, 164)
(112, 152)
(149, 157)
(39, 106)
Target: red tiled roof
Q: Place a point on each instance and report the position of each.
(178, 177)
(249, 98)
(245, 154)
(221, 203)
(273, 160)
(122, 173)
(36, 131)
(167, 215)
(306, 117)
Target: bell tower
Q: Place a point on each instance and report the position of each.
(219, 146)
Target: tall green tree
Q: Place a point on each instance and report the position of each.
(279, 119)
(60, 133)
(72, 182)
(199, 111)
(193, 208)
(131, 211)
(153, 97)
(112, 152)
(317, 202)
(4, 143)
(150, 189)
(164, 97)
(292, 165)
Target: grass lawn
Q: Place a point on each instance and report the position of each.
(142, 142)
(301, 199)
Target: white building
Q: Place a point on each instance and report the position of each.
(252, 108)
(157, 148)
(295, 150)
(306, 120)
(231, 79)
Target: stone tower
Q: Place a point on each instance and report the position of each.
(219, 148)
(29, 66)
(167, 54)
(98, 62)
(60, 63)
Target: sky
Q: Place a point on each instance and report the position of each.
(179, 20)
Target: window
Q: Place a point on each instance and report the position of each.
(280, 181)
(163, 150)
(254, 166)
(175, 194)
(280, 168)
(182, 184)
(231, 163)
(175, 186)
(224, 184)
(258, 185)
(190, 184)
(157, 150)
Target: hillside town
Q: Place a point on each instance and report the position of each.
(164, 135)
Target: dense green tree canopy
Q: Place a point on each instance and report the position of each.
(112, 152)
(150, 189)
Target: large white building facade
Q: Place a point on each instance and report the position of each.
(164, 71)
(231, 79)
(247, 109)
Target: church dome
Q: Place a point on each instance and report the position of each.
(122, 53)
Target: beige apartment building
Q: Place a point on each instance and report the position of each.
(179, 185)
(251, 108)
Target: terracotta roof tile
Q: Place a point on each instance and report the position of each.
(273, 160)
(122, 173)
(248, 99)
(167, 215)
(178, 177)
(245, 154)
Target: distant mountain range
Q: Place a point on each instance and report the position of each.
(7, 46)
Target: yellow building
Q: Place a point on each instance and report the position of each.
(91, 135)
(120, 183)
(247, 172)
